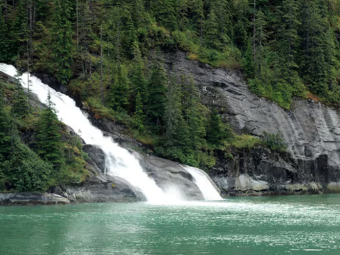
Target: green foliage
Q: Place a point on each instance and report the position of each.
(62, 34)
(285, 48)
(139, 114)
(218, 132)
(156, 97)
(119, 93)
(48, 144)
(245, 141)
(5, 139)
(25, 171)
(20, 106)
(274, 141)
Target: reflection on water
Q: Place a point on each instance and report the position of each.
(270, 225)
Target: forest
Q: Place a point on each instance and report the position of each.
(109, 54)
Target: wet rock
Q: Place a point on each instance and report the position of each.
(97, 155)
(170, 176)
(32, 199)
(104, 188)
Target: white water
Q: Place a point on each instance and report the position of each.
(208, 189)
(119, 162)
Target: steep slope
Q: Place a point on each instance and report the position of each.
(310, 130)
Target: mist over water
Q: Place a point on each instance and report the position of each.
(119, 161)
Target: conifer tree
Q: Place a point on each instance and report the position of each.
(48, 144)
(260, 38)
(19, 107)
(5, 139)
(139, 114)
(165, 11)
(25, 171)
(138, 81)
(217, 130)
(119, 93)
(212, 31)
(156, 97)
(288, 24)
(62, 36)
(4, 43)
(173, 111)
(193, 114)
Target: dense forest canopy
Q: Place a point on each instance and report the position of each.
(109, 54)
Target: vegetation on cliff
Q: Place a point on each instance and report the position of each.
(109, 54)
(49, 156)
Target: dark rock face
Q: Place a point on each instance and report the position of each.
(310, 130)
(170, 176)
(96, 155)
(32, 199)
(260, 171)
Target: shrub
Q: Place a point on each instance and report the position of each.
(274, 141)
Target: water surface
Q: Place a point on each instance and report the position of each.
(269, 225)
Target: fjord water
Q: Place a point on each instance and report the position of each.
(119, 162)
(235, 226)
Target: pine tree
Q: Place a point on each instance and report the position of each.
(212, 31)
(139, 114)
(156, 97)
(5, 139)
(317, 64)
(19, 107)
(288, 24)
(25, 171)
(62, 39)
(4, 43)
(173, 111)
(165, 11)
(119, 93)
(138, 81)
(193, 110)
(48, 144)
(217, 130)
(260, 39)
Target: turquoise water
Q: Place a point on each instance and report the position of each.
(270, 225)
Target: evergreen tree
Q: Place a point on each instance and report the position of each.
(193, 110)
(156, 97)
(48, 144)
(25, 171)
(317, 65)
(288, 25)
(5, 139)
(119, 93)
(260, 39)
(217, 130)
(19, 107)
(173, 111)
(62, 36)
(139, 115)
(212, 31)
(138, 80)
(165, 11)
(5, 54)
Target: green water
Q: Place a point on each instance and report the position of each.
(277, 225)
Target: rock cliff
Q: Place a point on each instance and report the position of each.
(310, 130)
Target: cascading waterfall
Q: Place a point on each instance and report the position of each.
(124, 164)
(119, 161)
(205, 184)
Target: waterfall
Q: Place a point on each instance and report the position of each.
(119, 162)
(204, 183)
